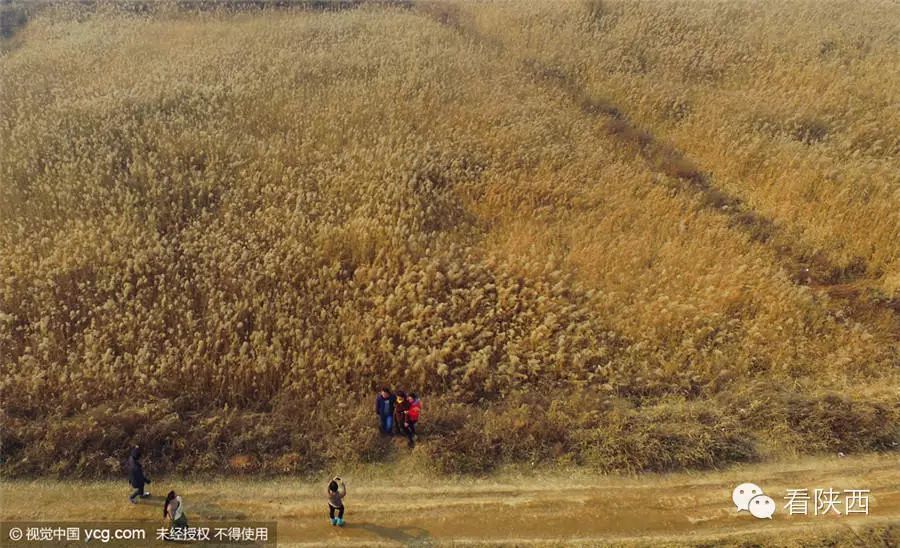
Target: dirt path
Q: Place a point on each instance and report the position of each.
(572, 508)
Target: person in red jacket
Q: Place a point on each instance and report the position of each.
(412, 417)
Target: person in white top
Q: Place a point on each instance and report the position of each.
(173, 511)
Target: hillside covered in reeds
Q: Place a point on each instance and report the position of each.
(606, 234)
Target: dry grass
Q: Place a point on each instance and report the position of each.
(222, 230)
(791, 106)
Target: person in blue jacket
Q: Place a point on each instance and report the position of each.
(384, 408)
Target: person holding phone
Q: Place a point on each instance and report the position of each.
(337, 490)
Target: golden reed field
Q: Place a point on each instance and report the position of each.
(630, 236)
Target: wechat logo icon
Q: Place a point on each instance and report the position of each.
(750, 497)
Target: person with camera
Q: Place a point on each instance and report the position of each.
(337, 490)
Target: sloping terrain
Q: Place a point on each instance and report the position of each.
(222, 230)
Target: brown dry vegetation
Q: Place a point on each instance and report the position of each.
(792, 107)
(404, 504)
(221, 230)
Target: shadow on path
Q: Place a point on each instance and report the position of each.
(152, 501)
(211, 510)
(408, 536)
(204, 510)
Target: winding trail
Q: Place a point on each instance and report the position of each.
(845, 285)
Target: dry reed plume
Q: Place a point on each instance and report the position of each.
(222, 229)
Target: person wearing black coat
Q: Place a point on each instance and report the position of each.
(401, 406)
(136, 476)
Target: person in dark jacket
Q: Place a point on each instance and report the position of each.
(384, 408)
(136, 476)
(401, 406)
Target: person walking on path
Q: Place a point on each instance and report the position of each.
(384, 408)
(337, 490)
(136, 477)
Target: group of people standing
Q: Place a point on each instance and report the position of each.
(398, 413)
